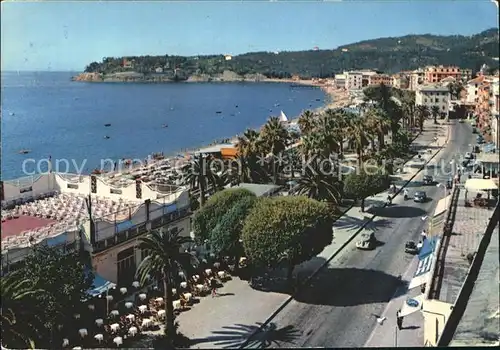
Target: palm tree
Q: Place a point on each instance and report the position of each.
(166, 257)
(422, 114)
(275, 139)
(358, 137)
(377, 121)
(435, 113)
(250, 144)
(199, 175)
(319, 184)
(16, 293)
(307, 122)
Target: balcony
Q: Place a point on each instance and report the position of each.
(132, 232)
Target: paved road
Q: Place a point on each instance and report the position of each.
(340, 307)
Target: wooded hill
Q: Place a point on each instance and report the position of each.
(385, 54)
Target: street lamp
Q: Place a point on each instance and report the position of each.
(108, 299)
(445, 195)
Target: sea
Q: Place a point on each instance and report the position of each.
(51, 116)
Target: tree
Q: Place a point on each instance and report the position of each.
(358, 137)
(225, 237)
(307, 122)
(435, 113)
(422, 114)
(65, 281)
(287, 230)
(200, 175)
(167, 256)
(20, 328)
(320, 182)
(364, 184)
(275, 139)
(207, 218)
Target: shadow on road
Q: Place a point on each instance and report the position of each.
(350, 287)
(351, 222)
(236, 336)
(398, 211)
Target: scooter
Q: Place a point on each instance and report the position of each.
(406, 197)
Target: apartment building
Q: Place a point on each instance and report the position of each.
(340, 81)
(379, 79)
(472, 88)
(416, 78)
(434, 95)
(365, 80)
(354, 81)
(434, 74)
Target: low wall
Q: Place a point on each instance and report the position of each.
(466, 291)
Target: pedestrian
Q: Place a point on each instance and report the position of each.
(399, 319)
(213, 285)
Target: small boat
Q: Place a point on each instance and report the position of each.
(12, 113)
(283, 117)
(218, 112)
(276, 105)
(318, 99)
(24, 151)
(108, 124)
(164, 125)
(106, 137)
(236, 106)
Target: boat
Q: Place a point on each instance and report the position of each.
(12, 113)
(164, 125)
(24, 151)
(218, 112)
(318, 99)
(108, 124)
(283, 117)
(106, 137)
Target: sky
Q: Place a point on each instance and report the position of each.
(63, 35)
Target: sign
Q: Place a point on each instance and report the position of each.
(412, 302)
(424, 265)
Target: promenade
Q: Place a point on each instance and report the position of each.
(228, 320)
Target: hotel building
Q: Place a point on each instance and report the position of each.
(90, 214)
(434, 95)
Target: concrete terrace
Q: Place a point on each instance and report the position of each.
(468, 229)
(480, 325)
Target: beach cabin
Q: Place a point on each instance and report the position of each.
(222, 150)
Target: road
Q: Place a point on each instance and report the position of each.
(340, 306)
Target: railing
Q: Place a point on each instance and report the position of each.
(468, 285)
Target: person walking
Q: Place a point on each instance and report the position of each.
(399, 319)
(213, 285)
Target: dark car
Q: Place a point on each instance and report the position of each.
(420, 196)
(474, 130)
(428, 180)
(411, 247)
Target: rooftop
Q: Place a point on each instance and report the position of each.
(468, 229)
(433, 87)
(215, 148)
(479, 323)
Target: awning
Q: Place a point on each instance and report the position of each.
(124, 225)
(442, 205)
(423, 270)
(480, 185)
(412, 305)
(99, 286)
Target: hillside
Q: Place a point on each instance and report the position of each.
(385, 54)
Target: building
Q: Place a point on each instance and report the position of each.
(495, 112)
(340, 81)
(379, 79)
(88, 213)
(222, 150)
(159, 70)
(434, 95)
(416, 78)
(228, 57)
(472, 88)
(434, 74)
(487, 108)
(365, 80)
(354, 81)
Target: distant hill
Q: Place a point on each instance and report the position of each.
(385, 54)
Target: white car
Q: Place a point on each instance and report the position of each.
(366, 242)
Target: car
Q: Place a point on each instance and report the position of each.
(468, 155)
(420, 197)
(465, 162)
(474, 130)
(480, 140)
(367, 241)
(411, 247)
(428, 180)
(461, 121)
(449, 184)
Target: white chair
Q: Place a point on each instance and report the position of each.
(65, 342)
(176, 304)
(136, 284)
(184, 284)
(114, 327)
(132, 331)
(143, 308)
(146, 322)
(99, 322)
(123, 290)
(161, 314)
(129, 305)
(99, 337)
(130, 317)
(115, 312)
(83, 332)
(188, 296)
(159, 299)
(118, 341)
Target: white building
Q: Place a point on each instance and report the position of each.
(354, 81)
(434, 95)
(495, 107)
(340, 81)
(417, 78)
(472, 89)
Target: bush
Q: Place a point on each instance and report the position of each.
(207, 217)
(286, 229)
(362, 185)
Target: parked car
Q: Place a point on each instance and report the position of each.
(479, 139)
(428, 180)
(449, 184)
(367, 241)
(469, 155)
(461, 121)
(474, 130)
(420, 197)
(411, 247)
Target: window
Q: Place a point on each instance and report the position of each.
(436, 100)
(73, 186)
(115, 191)
(125, 261)
(425, 100)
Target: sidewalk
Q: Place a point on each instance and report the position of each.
(232, 318)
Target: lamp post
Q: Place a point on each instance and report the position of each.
(108, 299)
